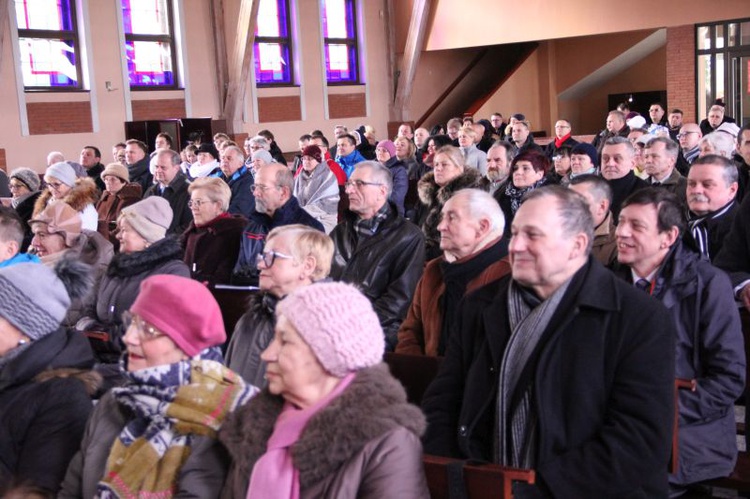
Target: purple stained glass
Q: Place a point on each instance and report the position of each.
(338, 19)
(145, 17)
(53, 15)
(273, 19)
(48, 63)
(341, 63)
(271, 63)
(149, 64)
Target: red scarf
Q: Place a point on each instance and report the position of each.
(559, 142)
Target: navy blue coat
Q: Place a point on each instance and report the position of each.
(254, 237)
(603, 387)
(243, 199)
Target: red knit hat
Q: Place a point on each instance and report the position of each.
(183, 309)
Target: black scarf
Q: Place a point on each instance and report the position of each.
(457, 277)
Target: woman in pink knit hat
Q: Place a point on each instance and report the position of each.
(156, 435)
(332, 422)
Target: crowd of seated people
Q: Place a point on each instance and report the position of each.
(567, 288)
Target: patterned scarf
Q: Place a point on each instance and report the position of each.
(516, 423)
(369, 227)
(516, 195)
(172, 404)
(699, 230)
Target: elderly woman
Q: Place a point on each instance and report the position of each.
(562, 169)
(332, 422)
(385, 152)
(473, 156)
(448, 176)
(80, 193)
(156, 436)
(45, 379)
(317, 189)
(57, 234)
(212, 240)
(528, 171)
(294, 256)
(144, 251)
(24, 188)
(118, 194)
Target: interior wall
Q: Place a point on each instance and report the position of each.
(110, 108)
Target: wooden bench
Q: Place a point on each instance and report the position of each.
(481, 481)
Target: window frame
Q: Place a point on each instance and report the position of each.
(286, 41)
(61, 35)
(351, 43)
(168, 39)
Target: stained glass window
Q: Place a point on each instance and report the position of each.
(149, 47)
(340, 39)
(48, 43)
(272, 50)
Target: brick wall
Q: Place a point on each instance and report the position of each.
(346, 106)
(158, 109)
(681, 70)
(3, 161)
(273, 109)
(59, 117)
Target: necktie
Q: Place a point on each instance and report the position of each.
(643, 284)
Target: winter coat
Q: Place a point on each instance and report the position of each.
(82, 197)
(528, 145)
(242, 201)
(176, 193)
(92, 249)
(475, 158)
(94, 174)
(45, 400)
(25, 210)
(201, 476)
(140, 173)
(551, 149)
(604, 247)
(433, 197)
(254, 237)
(710, 350)
(118, 288)
(318, 194)
(420, 332)
(400, 178)
(622, 188)
(717, 228)
(602, 388)
(605, 134)
(386, 266)
(734, 256)
(347, 163)
(109, 207)
(364, 444)
(212, 249)
(252, 334)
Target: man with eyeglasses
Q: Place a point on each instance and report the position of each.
(377, 249)
(275, 205)
(172, 185)
(563, 138)
(690, 135)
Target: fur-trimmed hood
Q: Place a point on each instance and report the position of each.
(91, 380)
(83, 193)
(430, 193)
(160, 252)
(374, 404)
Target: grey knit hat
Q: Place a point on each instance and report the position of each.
(27, 176)
(150, 217)
(35, 298)
(63, 172)
(264, 155)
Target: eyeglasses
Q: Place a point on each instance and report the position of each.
(13, 185)
(197, 203)
(144, 330)
(256, 148)
(54, 185)
(562, 126)
(268, 257)
(684, 134)
(358, 184)
(262, 188)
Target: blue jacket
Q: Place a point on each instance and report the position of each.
(400, 183)
(243, 199)
(20, 258)
(254, 237)
(347, 162)
(710, 349)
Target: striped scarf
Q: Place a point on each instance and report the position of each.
(699, 231)
(516, 425)
(172, 404)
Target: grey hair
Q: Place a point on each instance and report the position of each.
(380, 174)
(480, 204)
(597, 186)
(174, 156)
(261, 141)
(728, 168)
(573, 210)
(722, 143)
(504, 144)
(237, 150)
(671, 147)
(617, 140)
